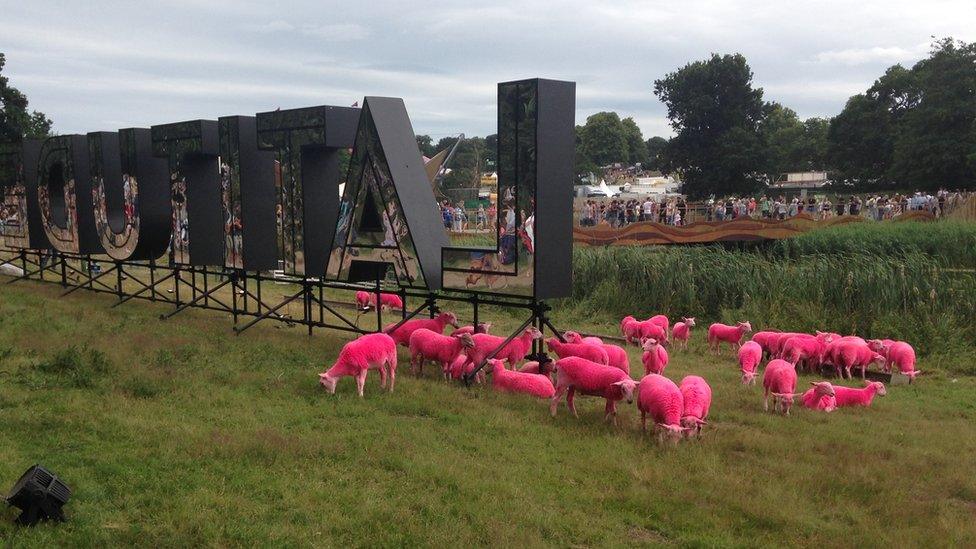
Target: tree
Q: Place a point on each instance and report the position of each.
(717, 116)
(655, 146)
(936, 140)
(860, 142)
(603, 140)
(636, 148)
(426, 145)
(794, 145)
(15, 122)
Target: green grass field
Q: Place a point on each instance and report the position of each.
(178, 433)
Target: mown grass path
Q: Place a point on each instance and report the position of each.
(180, 434)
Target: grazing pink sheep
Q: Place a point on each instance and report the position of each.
(848, 354)
(660, 398)
(362, 300)
(681, 331)
(653, 330)
(402, 334)
(750, 355)
(902, 355)
(616, 356)
(765, 339)
(370, 351)
(777, 342)
(630, 327)
(662, 321)
(429, 345)
(655, 357)
(805, 349)
(820, 397)
(848, 396)
(514, 352)
(520, 382)
(582, 350)
(718, 333)
(575, 374)
(697, 396)
(462, 366)
(482, 328)
(387, 300)
(779, 380)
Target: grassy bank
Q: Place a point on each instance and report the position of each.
(180, 434)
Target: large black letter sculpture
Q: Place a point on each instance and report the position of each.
(191, 149)
(64, 195)
(388, 215)
(306, 143)
(130, 191)
(533, 255)
(248, 196)
(20, 219)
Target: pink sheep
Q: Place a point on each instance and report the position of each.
(616, 356)
(370, 351)
(902, 355)
(630, 327)
(462, 367)
(821, 396)
(582, 350)
(765, 338)
(779, 380)
(697, 396)
(848, 396)
(681, 331)
(482, 328)
(437, 324)
(575, 374)
(651, 329)
(514, 352)
(806, 349)
(777, 342)
(655, 357)
(429, 345)
(662, 321)
(660, 398)
(750, 355)
(718, 333)
(538, 368)
(520, 382)
(387, 300)
(848, 354)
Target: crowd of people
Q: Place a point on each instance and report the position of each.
(677, 211)
(457, 219)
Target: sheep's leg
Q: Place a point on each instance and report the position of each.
(766, 401)
(361, 381)
(554, 403)
(570, 400)
(382, 369)
(611, 411)
(643, 421)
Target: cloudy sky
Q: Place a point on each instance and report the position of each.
(114, 64)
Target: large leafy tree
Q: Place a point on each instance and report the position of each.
(426, 145)
(913, 128)
(636, 148)
(604, 140)
(655, 146)
(718, 147)
(16, 122)
(793, 144)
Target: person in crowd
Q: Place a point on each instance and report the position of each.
(647, 209)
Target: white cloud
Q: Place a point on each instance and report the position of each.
(875, 55)
(340, 32)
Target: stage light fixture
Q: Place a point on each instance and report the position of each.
(39, 494)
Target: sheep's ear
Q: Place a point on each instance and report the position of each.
(814, 383)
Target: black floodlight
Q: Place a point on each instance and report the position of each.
(39, 495)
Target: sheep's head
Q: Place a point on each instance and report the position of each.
(649, 344)
(572, 337)
(824, 337)
(692, 424)
(748, 377)
(466, 340)
(747, 326)
(670, 432)
(449, 318)
(875, 345)
(534, 332)
(690, 321)
(626, 388)
(482, 328)
(880, 387)
(878, 359)
(822, 388)
(328, 382)
(496, 365)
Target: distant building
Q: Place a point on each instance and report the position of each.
(798, 181)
